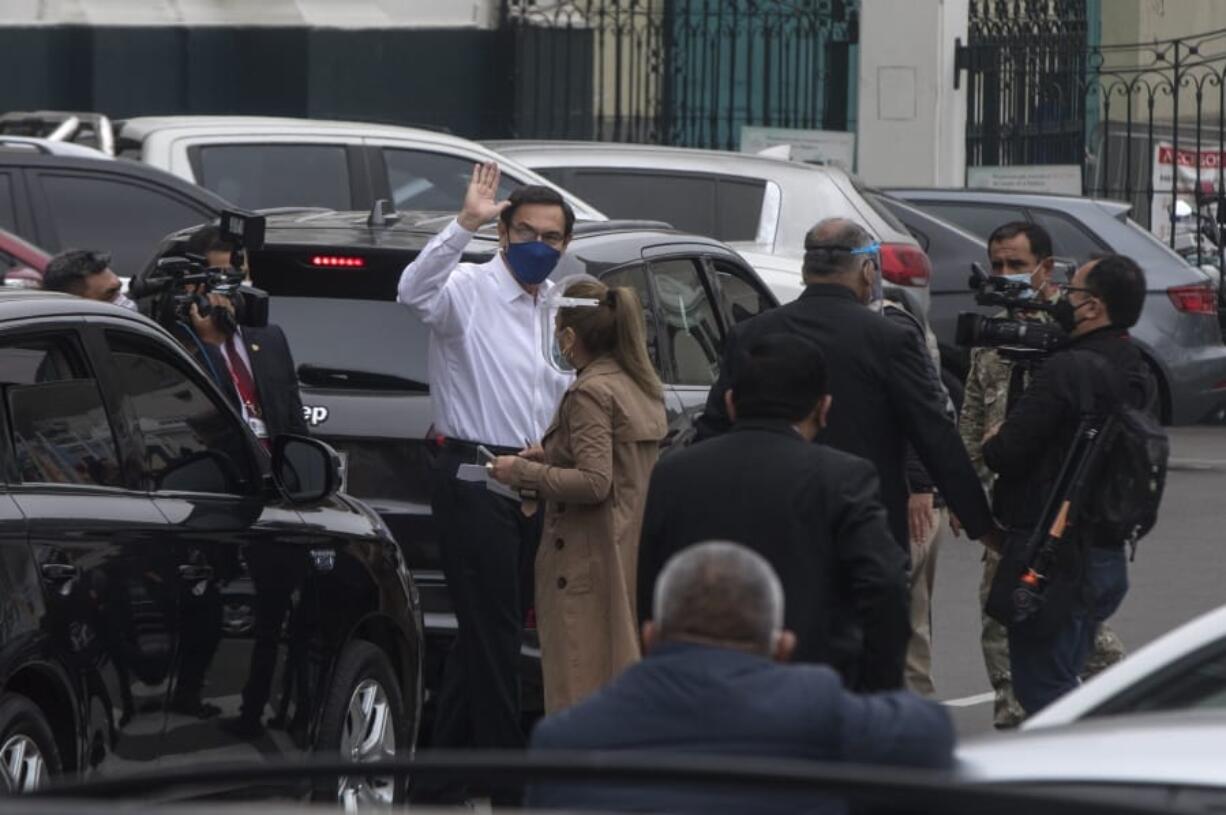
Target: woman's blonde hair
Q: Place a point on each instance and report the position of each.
(614, 327)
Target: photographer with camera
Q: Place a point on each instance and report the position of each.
(196, 292)
(254, 365)
(1096, 376)
(1019, 253)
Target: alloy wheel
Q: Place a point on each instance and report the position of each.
(23, 762)
(369, 734)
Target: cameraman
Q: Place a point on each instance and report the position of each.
(1022, 251)
(1103, 301)
(253, 366)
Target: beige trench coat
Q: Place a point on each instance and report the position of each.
(599, 452)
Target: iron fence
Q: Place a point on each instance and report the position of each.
(685, 72)
(1145, 122)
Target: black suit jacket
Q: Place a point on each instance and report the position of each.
(276, 379)
(883, 398)
(815, 515)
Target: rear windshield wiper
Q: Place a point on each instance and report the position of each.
(319, 377)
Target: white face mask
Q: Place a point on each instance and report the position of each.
(122, 301)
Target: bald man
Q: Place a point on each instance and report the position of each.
(883, 388)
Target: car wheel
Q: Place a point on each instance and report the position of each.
(28, 752)
(363, 721)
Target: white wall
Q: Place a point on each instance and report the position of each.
(325, 13)
(912, 123)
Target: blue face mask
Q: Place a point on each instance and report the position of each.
(532, 261)
(1021, 278)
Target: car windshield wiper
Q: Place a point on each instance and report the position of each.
(320, 377)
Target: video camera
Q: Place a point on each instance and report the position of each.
(1015, 338)
(180, 281)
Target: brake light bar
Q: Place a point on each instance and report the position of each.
(905, 265)
(1197, 298)
(338, 261)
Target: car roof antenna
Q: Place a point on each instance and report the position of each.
(382, 213)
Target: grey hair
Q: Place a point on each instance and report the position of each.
(719, 592)
(823, 241)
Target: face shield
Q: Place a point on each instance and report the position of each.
(872, 252)
(553, 305)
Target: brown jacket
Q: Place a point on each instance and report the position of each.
(599, 452)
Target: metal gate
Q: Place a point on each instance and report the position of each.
(684, 72)
(1144, 121)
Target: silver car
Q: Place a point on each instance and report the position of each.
(1178, 330)
(1163, 760)
(761, 206)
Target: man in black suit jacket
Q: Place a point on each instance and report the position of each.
(276, 378)
(884, 394)
(711, 684)
(813, 512)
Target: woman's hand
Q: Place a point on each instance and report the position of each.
(533, 453)
(500, 469)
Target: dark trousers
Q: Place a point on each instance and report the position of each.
(487, 548)
(1044, 668)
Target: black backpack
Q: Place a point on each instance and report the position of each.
(1130, 475)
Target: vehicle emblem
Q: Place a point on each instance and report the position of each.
(324, 559)
(315, 415)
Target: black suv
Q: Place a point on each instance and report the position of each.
(161, 574)
(332, 278)
(76, 202)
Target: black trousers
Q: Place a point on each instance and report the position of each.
(487, 548)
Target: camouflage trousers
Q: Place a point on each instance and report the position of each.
(1108, 650)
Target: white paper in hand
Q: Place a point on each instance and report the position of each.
(478, 473)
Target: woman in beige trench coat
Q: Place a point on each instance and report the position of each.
(592, 470)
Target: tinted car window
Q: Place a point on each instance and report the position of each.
(692, 338)
(8, 214)
(742, 299)
(879, 205)
(430, 181)
(635, 277)
(191, 443)
(740, 209)
(124, 218)
(977, 219)
(255, 176)
(1068, 238)
(687, 202)
(59, 426)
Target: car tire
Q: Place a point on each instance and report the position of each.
(28, 751)
(362, 712)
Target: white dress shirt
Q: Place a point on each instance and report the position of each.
(489, 380)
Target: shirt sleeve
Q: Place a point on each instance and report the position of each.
(589, 423)
(424, 284)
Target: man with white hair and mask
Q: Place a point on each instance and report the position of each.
(713, 682)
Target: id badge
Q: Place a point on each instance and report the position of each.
(257, 427)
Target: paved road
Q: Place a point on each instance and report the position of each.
(1179, 573)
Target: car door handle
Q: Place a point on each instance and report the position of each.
(193, 573)
(59, 572)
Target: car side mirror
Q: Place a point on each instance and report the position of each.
(305, 470)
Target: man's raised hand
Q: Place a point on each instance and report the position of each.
(481, 204)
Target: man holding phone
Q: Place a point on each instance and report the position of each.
(493, 394)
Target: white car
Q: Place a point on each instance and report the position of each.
(761, 206)
(1164, 760)
(267, 162)
(1184, 669)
